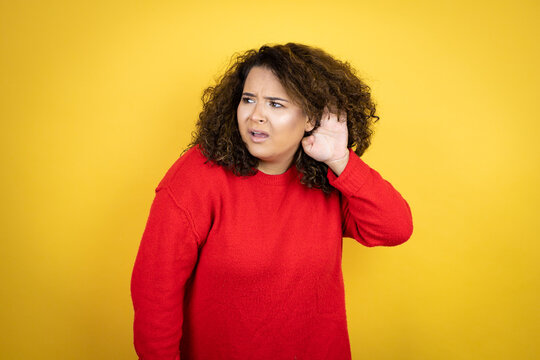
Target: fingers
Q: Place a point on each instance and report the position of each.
(308, 140)
(327, 115)
(342, 116)
(331, 114)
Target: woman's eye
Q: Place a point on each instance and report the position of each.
(247, 100)
(275, 104)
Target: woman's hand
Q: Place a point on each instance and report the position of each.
(328, 143)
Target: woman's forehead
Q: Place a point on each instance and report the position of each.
(263, 79)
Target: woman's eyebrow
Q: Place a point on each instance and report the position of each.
(266, 97)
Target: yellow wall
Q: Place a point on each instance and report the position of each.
(98, 99)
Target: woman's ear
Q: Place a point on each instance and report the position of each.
(308, 126)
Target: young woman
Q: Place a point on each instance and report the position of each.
(241, 254)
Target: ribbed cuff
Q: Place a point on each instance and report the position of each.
(352, 177)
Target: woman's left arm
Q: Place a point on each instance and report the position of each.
(373, 212)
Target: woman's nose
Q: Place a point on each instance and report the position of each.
(258, 113)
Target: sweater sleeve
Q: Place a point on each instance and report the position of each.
(167, 255)
(372, 211)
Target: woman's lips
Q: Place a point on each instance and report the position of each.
(258, 136)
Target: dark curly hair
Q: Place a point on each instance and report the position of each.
(313, 78)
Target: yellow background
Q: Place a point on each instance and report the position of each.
(99, 98)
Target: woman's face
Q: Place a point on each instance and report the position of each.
(266, 107)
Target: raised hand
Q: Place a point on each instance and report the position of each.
(328, 143)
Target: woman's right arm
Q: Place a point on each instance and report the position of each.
(165, 261)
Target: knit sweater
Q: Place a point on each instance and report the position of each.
(249, 267)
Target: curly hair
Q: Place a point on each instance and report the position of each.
(313, 78)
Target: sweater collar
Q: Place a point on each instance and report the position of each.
(279, 179)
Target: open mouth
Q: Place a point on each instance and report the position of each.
(258, 134)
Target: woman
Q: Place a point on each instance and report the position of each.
(241, 254)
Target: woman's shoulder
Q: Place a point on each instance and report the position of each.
(194, 183)
(190, 170)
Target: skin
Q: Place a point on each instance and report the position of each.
(266, 106)
(328, 144)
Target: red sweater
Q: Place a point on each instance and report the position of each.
(234, 267)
